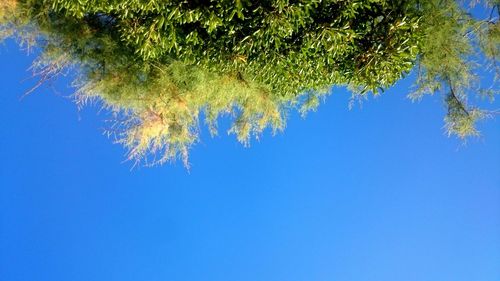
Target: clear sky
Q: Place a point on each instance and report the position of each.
(377, 193)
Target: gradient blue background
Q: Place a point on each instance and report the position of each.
(375, 193)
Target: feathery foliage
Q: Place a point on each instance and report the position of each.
(455, 50)
(160, 65)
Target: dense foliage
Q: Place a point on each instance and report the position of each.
(160, 64)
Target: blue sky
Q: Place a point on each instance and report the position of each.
(375, 193)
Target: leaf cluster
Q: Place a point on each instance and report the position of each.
(162, 65)
(455, 52)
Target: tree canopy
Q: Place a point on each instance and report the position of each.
(160, 65)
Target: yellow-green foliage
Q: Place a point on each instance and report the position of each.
(452, 48)
(7, 12)
(162, 115)
(162, 65)
(460, 120)
(7, 8)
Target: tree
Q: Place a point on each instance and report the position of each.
(159, 65)
(454, 47)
